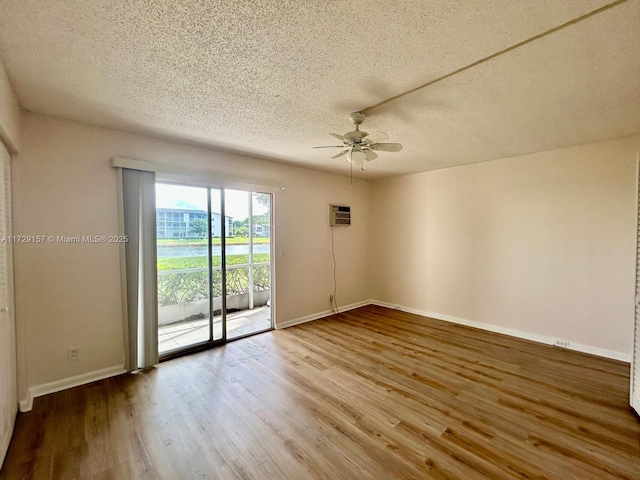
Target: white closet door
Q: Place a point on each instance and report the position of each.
(635, 360)
(8, 389)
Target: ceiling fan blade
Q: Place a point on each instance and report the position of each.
(341, 137)
(371, 155)
(330, 146)
(387, 147)
(340, 154)
(376, 137)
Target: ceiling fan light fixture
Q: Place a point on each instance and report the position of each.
(356, 156)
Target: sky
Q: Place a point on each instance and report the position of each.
(195, 198)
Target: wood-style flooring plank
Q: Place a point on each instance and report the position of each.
(372, 393)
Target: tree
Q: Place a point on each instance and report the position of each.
(199, 228)
(262, 219)
(264, 199)
(242, 231)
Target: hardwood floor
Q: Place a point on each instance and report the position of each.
(371, 393)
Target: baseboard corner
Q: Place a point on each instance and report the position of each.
(319, 315)
(25, 405)
(635, 402)
(70, 382)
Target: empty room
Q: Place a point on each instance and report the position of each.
(313, 240)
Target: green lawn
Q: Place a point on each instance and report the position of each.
(216, 241)
(181, 263)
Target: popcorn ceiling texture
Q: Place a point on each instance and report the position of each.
(273, 78)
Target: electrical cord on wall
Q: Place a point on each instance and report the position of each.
(334, 302)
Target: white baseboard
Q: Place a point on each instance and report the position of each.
(58, 385)
(6, 438)
(635, 402)
(39, 390)
(317, 316)
(600, 352)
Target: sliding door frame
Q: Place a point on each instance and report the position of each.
(212, 343)
(223, 264)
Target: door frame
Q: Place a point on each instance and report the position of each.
(634, 388)
(189, 182)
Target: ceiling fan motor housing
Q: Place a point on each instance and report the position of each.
(355, 136)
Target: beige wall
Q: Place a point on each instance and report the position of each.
(69, 294)
(541, 243)
(10, 113)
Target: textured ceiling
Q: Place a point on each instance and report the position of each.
(273, 78)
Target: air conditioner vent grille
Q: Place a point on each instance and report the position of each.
(339, 215)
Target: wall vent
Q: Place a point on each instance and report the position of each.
(339, 215)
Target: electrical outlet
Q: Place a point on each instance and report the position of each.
(331, 298)
(560, 343)
(74, 354)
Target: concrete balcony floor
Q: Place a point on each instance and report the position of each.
(183, 334)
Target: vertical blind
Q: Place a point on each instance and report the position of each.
(141, 329)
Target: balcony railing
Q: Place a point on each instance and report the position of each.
(192, 284)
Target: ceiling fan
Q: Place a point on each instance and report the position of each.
(360, 146)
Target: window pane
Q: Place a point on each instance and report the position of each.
(183, 271)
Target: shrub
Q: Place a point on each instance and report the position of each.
(192, 286)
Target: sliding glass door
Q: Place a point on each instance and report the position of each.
(248, 260)
(214, 266)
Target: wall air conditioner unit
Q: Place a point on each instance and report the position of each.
(339, 215)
